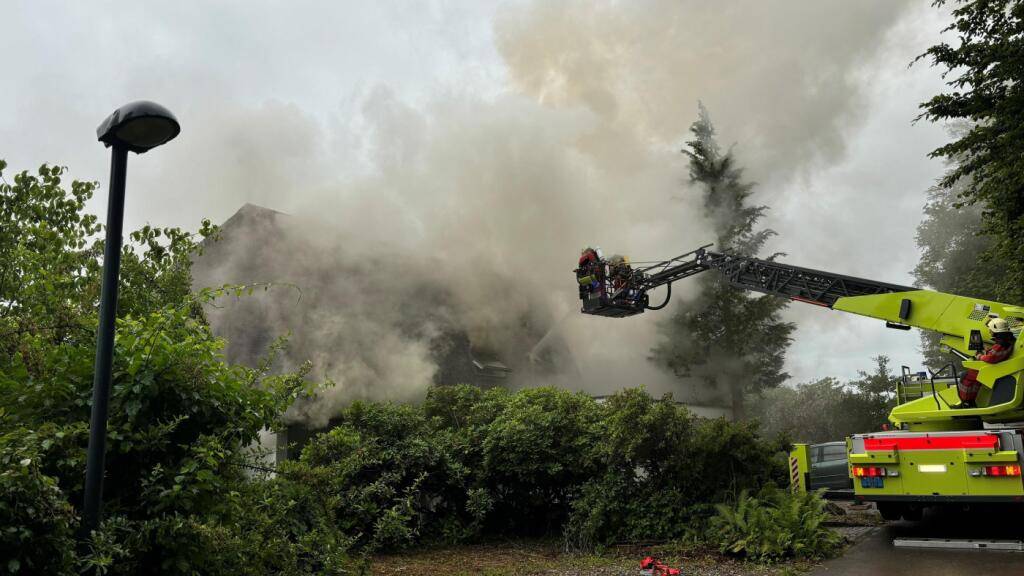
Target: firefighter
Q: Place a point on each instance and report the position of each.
(588, 273)
(1001, 349)
(620, 271)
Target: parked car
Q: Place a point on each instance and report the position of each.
(829, 467)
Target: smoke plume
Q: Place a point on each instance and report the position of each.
(411, 223)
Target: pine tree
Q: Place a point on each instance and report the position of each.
(726, 339)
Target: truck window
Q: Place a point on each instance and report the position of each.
(834, 452)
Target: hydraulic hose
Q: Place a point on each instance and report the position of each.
(668, 296)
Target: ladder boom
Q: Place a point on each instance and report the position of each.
(614, 289)
(766, 276)
(793, 282)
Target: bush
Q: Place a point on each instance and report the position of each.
(543, 461)
(777, 525)
(390, 480)
(177, 495)
(661, 470)
(36, 521)
(537, 454)
(467, 463)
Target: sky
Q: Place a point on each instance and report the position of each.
(320, 108)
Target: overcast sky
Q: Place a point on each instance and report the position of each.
(274, 99)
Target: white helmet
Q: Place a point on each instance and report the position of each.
(998, 326)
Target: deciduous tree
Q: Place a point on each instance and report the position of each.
(985, 69)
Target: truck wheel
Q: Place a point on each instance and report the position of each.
(890, 511)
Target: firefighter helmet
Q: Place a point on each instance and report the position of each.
(998, 326)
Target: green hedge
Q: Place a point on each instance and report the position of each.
(470, 463)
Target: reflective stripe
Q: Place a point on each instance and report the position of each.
(794, 466)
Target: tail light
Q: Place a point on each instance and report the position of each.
(876, 471)
(1002, 470)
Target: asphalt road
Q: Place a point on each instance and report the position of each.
(876, 554)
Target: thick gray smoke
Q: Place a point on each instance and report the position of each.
(781, 77)
(476, 208)
(473, 219)
(378, 324)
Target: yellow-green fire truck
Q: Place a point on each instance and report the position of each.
(939, 450)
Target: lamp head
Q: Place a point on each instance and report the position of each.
(139, 126)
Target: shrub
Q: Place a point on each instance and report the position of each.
(537, 454)
(661, 468)
(36, 521)
(472, 463)
(391, 480)
(779, 524)
(466, 463)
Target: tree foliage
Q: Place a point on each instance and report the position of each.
(985, 69)
(828, 410)
(181, 419)
(953, 248)
(728, 338)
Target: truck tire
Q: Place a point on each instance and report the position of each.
(891, 511)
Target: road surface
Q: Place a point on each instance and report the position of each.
(876, 555)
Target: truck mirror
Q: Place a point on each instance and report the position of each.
(976, 343)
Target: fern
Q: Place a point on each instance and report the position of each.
(774, 526)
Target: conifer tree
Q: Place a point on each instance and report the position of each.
(727, 339)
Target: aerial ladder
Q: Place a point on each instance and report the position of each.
(939, 450)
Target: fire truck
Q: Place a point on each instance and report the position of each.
(938, 450)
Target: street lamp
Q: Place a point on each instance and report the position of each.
(135, 127)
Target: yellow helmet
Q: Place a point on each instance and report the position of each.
(998, 326)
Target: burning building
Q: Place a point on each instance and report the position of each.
(379, 324)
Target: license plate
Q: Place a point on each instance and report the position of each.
(872, 482)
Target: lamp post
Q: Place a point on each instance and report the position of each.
(135, 127)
